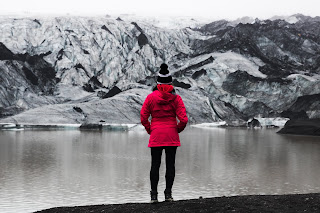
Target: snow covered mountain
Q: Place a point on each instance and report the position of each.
(90, 70)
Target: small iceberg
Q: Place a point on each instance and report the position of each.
(209, 125)
(138, 128)
(268, 122)
(7, 126)
(118, 127)
(12, 126)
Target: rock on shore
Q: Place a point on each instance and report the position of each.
(250, 203)
(302, 127)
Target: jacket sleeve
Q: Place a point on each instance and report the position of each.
(181, 114)
(144, 115)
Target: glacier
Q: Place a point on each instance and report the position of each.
(82, 70)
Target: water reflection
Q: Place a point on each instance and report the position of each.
(43, 169)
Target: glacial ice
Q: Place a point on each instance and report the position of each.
(79, 48)
(105, 126)
(209, 125)
(278, 121)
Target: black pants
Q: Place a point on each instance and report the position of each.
(156, 153)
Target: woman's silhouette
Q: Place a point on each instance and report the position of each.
(168, 118)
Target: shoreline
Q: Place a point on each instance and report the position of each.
(91, 126)
(111, 126)
(310, 127)
(246, 203)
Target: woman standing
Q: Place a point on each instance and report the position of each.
(165, 107)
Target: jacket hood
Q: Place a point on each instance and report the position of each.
(164, 97)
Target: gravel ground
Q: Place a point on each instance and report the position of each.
(251, 203)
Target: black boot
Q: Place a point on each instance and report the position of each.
(168, 195)
(154, 196)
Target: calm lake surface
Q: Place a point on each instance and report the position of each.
(44, 169)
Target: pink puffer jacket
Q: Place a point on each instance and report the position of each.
(164, 109)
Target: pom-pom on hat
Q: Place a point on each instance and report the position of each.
(164, 76)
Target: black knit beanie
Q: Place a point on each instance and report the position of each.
(164, 76)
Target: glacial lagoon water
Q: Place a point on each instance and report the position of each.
(44, 169)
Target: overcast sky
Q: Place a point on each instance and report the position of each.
(230, 9)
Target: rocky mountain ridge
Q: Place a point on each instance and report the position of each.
(88, 70)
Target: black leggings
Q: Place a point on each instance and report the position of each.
(156, 153)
